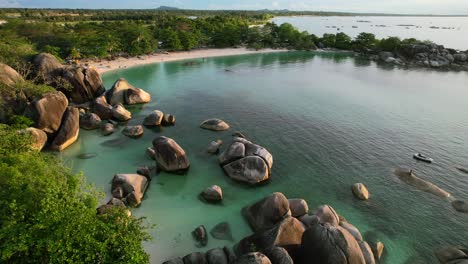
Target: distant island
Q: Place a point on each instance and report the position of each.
(167, 8)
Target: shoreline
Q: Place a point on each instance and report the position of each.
(119, 63)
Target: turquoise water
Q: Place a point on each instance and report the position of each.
(448, 31)
(329, 120)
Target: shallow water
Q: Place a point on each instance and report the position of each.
(448, 31)
(329, 120)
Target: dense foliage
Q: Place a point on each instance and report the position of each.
(48, 214)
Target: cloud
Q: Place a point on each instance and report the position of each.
(9, 3)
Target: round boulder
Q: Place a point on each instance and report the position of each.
(129, 187)
(360, 191)
(133, 131)
(136, 96)
(8, 75)
(153, 119)
(251, 170)
(460, 206)
(278, 255)
(298, 207)
(253, 258)
(214, 146)
(267, 212)
(200, 235)
(170, 156)
(213, 194)
(107, 129)
(326, 214)
(47, 112)
(214, 124)
(195, 258)
(38, 138)
(216, 256)
(90, 121)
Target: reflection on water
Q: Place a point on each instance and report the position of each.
(328, 124)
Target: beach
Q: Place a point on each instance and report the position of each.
(123, 63)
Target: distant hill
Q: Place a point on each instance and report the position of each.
(167, 8)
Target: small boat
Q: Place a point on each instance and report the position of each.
(422, 157)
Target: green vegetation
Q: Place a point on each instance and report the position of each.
(48, 214)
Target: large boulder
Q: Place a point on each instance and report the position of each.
(246, 162)
(251, 170)
(47, 111)
(299, 207)
(130, 188)
(253, 258)
(216, 256)
(69, 130)
(124, 93)
(86, 84)
(326, 214)
(133, 131)
(360, 191)
(287, 234)
(90, 121)
(102, 108)
(153, 119)
(214, 124)
(267, 212)
(38, 138)
(325, 243)
(195, 258)
(120, 113)
(278, 255)
(47, 68)
(8, 75)
(170, 156)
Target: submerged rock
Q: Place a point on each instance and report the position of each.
(151, 153)
(222, 231)
(214, 124)
(451, 254)
(460, 206)
(133, 131)
(168, 120)
(201, 236)
(87, 156)
(170, 156)
(462, 170)
(214, 146)
(360, 191)
(410, 178)
(107, 129)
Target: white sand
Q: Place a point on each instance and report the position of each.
(122, 63)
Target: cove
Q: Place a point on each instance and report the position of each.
(329, 119)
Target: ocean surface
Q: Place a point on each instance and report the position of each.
(451, 32)
(330, 120)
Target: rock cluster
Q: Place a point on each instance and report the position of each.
(426, 55)
(246, 162)
(129, 188)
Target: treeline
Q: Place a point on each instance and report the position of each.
(21, 38)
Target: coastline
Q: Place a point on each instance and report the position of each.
(124, 63)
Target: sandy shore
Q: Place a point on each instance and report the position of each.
(122, 63)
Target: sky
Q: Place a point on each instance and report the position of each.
(443, 7)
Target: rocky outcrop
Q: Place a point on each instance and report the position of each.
(123, 92)
(102, 108)
(38, 138)
(133, 131)
(267, 212)
(80, 84)
(47, 111)
(86, 84)
(213, 194)
(153, 119)
(120, 113)
(90, 121)
(69, 130)
(214, 124)
(246, 162)
(8, 76)
(170, 156)
(130, 188)
(360, 191)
